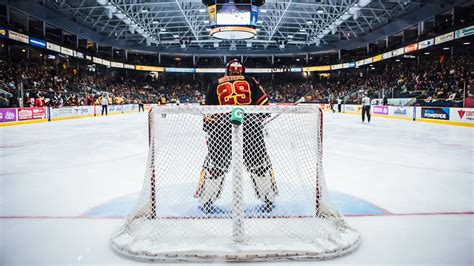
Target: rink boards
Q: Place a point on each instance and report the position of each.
(439, 115)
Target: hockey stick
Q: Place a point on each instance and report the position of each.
(301, 100)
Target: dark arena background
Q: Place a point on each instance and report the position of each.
(103, 114)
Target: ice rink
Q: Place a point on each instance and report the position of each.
(406, 187)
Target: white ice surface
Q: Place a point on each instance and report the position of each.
(52, 173)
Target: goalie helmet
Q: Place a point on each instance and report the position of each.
(234, 68)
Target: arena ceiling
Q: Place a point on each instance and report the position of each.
(286, 27)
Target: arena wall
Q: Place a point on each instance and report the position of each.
(439, 115)
(29, 115)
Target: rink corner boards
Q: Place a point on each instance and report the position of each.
(438, 115)
(32, 115)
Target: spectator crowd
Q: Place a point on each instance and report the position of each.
(432, 81)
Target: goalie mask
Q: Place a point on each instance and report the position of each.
(234, 68)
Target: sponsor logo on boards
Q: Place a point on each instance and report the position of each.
(400, 111)
(469, 115)
(381, 110)
(435, 113)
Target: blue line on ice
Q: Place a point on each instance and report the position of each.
(346, 204)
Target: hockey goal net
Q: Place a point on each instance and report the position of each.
(218, 191)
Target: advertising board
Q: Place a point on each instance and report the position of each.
(439, 113)
(31, 113)
(380, 110)
(7, 115)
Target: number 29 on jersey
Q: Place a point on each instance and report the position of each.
(236, 93)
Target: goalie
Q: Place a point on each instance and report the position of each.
(236, 89)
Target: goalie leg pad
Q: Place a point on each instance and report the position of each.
(211, 185)
(264, 185)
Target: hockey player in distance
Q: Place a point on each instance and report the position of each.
(365, 108)
(235, 89)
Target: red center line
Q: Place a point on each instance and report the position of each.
(263, 217)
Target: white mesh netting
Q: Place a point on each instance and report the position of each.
(215, 191)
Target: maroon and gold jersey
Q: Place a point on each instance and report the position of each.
(236, 90)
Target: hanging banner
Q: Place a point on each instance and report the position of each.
(398, 51)
(425, 43)
(18, 36)
(127, 66)
(37, 42)
(105, 62)
(212, 11)
(210, 70)
(97, 60)
(53, 47)
(149, 68)
(180, 70)
(67, 51)
(411, 48)
(444, 38)
(116, 64)
(464, 32)
(78, 54)
(317, 68)
(258, 70)
(277, 70)
(377, 58)
(387, 55)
